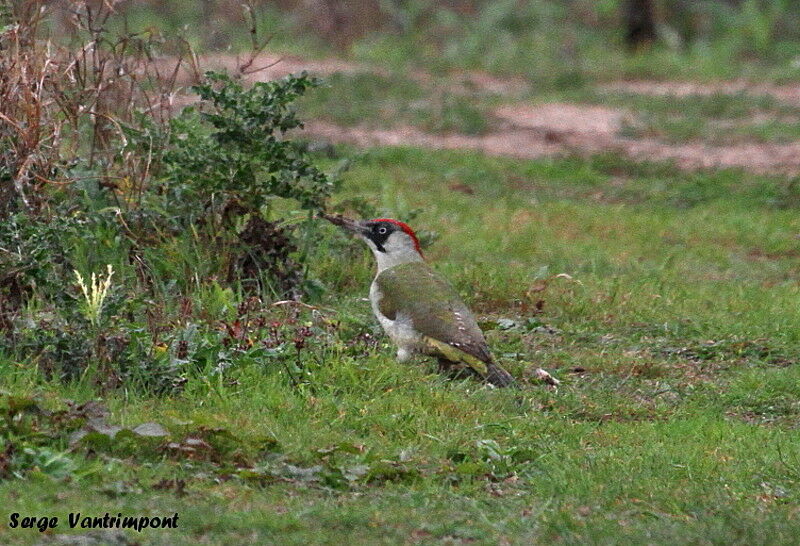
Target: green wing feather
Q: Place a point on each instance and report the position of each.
(436, 311)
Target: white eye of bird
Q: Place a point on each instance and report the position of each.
(382, 230)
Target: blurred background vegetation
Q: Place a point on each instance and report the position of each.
(559, 42)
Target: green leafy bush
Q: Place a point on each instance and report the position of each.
(228, 169)
(235, 151)
(33, 257)
(198, 196)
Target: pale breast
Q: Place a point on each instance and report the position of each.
(400, 330)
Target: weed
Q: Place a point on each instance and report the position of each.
(94, 295)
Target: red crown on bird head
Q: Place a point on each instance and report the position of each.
(406, 228)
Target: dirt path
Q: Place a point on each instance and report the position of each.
(593, 129)
(524, 130)
(270, 67)
(789, 94)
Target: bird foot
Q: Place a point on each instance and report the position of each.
(456, 370)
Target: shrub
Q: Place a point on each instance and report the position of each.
(236, 151)
(96, 172)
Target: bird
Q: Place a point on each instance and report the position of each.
(418, 309)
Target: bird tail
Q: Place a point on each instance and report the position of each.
(497, 376)
(449, 355)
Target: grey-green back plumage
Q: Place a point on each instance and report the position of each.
(437, 313)
(433, 305)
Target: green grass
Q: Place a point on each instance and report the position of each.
(675, 337)
(552, 46)
(718, 118)
(376, 100)
(665, 301)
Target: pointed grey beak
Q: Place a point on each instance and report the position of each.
(353, 226)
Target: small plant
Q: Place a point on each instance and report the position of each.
(94, 295)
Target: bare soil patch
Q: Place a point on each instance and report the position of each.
(269, 66)
(789, 93)
(565, 118)
(513, 143)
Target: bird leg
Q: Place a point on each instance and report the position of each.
(456, 370)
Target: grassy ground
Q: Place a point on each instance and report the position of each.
(375, 100)
(674, 336)
(719, 118)
(451, 105)
(665, 301)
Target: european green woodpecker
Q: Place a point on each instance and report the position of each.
(419, 310)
